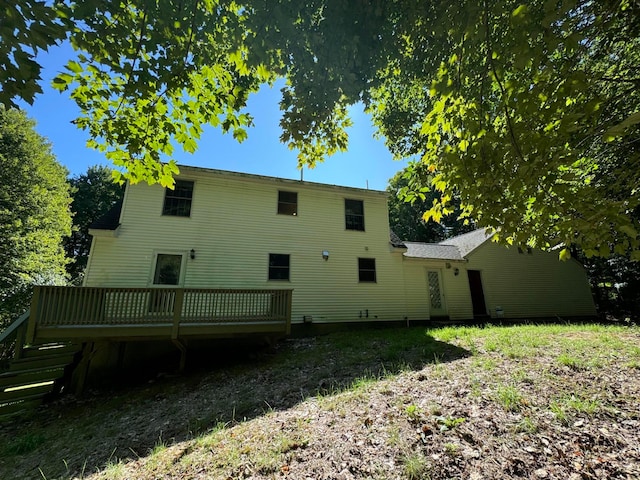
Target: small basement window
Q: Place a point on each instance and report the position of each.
(278, 266)
(354, 214)
(367, 269)
(177, 202)
(287, 203)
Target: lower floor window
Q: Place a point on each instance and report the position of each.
(367, 269)
(167, 269)
(278, 266)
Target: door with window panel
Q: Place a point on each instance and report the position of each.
(437, 305)
(166, 274)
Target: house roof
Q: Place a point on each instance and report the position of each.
(190, 171)
(468, 242)
(110, 220)
(395, 240)
(432, 250)
(456, 248)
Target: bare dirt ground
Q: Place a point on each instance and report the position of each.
(548, 402)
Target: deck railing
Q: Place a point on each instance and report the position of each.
(68, 308)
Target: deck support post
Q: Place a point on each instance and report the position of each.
(82, 370)
(183, 352)
(175, 329)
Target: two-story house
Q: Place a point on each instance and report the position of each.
(330, 244)
(229, 230)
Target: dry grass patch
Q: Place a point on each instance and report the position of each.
(551, 401)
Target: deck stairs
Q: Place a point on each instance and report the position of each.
(33, 376)
(34, 372)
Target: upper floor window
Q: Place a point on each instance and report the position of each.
(354, 214)
(367, 269)
(278, 266)
(287, 203)
(177, 202)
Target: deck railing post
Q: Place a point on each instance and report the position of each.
(289, 308)
(33, 315)
(177, 312)
(20, 337)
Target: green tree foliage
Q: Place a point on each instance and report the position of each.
(615, 282)
(530, 109)
(34, 213)
(93, 194)
(26, 27)
(409, 199)
(527, 110)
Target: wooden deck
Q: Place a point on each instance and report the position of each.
(54, 344)
(94, 313)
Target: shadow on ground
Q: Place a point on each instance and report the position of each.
(74, 437)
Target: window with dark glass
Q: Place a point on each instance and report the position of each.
(167, 269)
(278, 266)
(177, 202)
(287, 203)
(354, 214)
(367, 269)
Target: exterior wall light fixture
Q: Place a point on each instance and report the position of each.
(456, 271)
(325, 255)
(192, 254)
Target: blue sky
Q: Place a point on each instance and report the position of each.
(368, 161)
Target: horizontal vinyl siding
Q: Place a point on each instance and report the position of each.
(457, 294)
(416, 290)
(234, 226)
(455, 288)
(531, 285)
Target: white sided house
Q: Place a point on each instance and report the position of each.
(330, 244)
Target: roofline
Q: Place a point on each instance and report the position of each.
(484, 241)
(435, 259)
(287, 181)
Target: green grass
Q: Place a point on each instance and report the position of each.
(511, 366)
(114, 470)
(572, 404)
(526, 425)
(510, 398)
(416, 466)
(25, 443)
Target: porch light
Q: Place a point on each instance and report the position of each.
(192, 254)
(325, 255)
(456, 271)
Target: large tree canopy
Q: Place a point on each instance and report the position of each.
(528, 110)
(34, 213)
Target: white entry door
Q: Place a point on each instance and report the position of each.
(436, 295)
